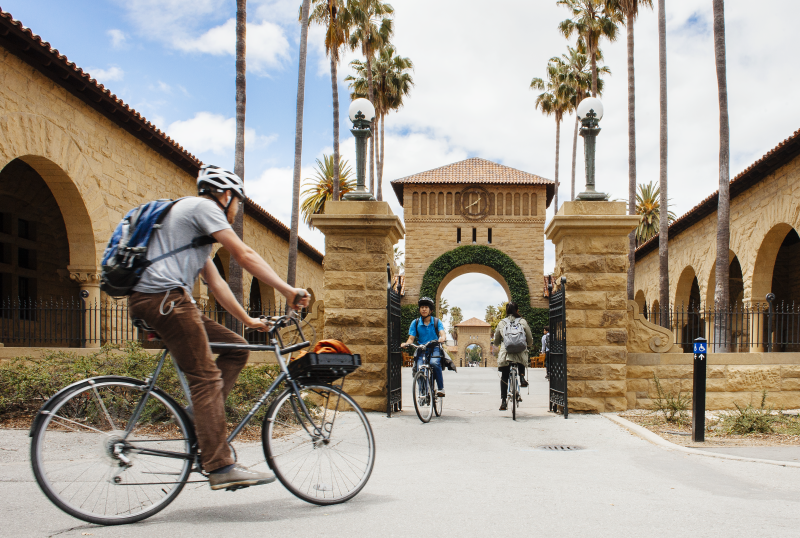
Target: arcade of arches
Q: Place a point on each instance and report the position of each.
(73, 160)
(764, 247)
(472, 332)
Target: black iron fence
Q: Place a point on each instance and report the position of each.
(78, 322)
(772, 326)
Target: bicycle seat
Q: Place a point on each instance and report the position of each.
(150, 333)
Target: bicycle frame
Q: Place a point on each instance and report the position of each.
(276, 347)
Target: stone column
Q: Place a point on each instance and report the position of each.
(88, 278)
(359, 241)
(591, 240)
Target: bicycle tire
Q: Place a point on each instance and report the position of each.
(438, 404)
(84, 425)
(512, 387)
(421, 394)
(285, 439)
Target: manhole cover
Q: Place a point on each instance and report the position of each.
(560, 448)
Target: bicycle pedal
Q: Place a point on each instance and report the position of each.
(234, 488)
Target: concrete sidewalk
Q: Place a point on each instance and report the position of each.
(471, 472)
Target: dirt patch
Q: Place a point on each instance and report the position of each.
(681, 434)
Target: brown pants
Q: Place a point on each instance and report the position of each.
(186, 333)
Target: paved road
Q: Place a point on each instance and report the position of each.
(472, 472)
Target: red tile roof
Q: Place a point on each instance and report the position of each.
(750, 176)
(28, 46)
(474, 171)
(473, 322)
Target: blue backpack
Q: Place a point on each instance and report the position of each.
(125, 257)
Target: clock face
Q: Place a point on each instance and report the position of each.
(474, 203)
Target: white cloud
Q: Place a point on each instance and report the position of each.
(184, 25)
(112, 74)
(473, 293)
(212, 133)
(118, 38)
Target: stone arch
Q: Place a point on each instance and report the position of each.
(712, 278)
(764, 266)
(683, 289)
(58, 159)
(479, 346)
(482, 259)
(641, 300)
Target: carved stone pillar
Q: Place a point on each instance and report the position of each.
(88, 278)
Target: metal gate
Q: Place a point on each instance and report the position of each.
(557, 368)
(394, 358)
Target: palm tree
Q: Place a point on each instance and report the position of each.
(322, 186)
(648, 207)
(336, 19)
(391, 83)
(553, 103)
(298, 144)
(372, 30)
(234, 269)
(591, 20)
(575, 82)
(721, 289)
(663, 233)
(630, 10)
(456, 317)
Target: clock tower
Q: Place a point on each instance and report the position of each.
(474, 202)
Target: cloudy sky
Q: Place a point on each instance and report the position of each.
(173, 61)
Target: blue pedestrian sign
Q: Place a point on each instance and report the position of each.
(700, 347)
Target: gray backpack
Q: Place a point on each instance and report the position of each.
(514, 336)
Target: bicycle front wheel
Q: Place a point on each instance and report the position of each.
(423, 396)
(327, 459)
(438, 403)
(90, 468)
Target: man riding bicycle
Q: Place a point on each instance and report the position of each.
(426, 330)
(163, 299)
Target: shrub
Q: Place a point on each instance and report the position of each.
(747, 420)
(673, 407)
(26, 383)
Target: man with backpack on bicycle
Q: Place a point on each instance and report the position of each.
(513, 335)
(427, 329)
(178, 252)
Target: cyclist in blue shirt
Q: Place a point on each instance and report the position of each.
(427, 330)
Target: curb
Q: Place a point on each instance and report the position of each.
(656, 439)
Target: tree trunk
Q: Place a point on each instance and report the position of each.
(631, 161)
(291, 276)
(380, 160)
(558, 142)
(335, 88)
(371, 95)
(594, 73)
(663, 233)
(721, 289)
(235, 275)
(574, 155)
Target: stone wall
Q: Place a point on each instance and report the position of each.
(761, 217)
(732, 378)
(432, 228)
(96, 171)
(476, 335)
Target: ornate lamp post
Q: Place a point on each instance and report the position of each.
(361, 114)
(590, 112)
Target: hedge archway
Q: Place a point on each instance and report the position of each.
(495, 259)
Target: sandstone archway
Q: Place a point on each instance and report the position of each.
(641, 300)
(761, 282)
(684, 288)
(472, 268)
(55, 156)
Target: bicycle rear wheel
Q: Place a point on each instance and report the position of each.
(329, 465)
(438, 402)
(512, 388)
(423, 397)
(86, 464)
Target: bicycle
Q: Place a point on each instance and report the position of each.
(113, 450)
(513, 389)
(424, 387)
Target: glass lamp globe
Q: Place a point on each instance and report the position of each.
(364, 106)
(590, 103)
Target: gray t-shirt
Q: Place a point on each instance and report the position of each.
(189, 218)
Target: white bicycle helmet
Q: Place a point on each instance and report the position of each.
(215, 179)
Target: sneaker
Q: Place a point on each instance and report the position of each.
(523, 382)
(503, 406)
(440, 393)
(239, 477)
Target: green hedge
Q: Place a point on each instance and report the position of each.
(537, 318)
